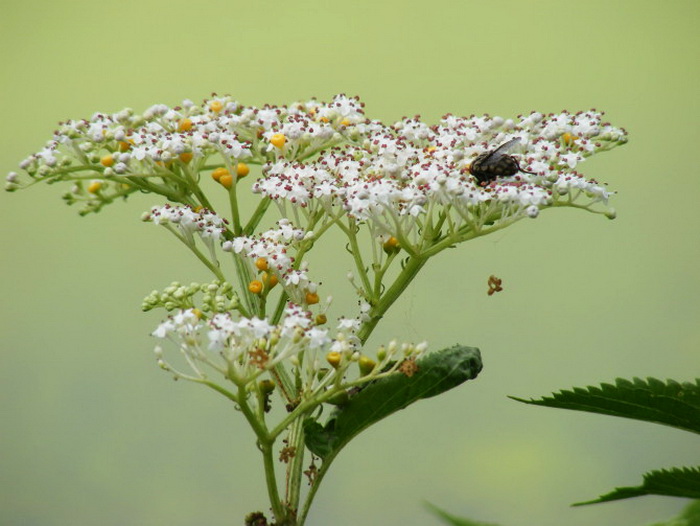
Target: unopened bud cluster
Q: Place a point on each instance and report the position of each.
(215, 297)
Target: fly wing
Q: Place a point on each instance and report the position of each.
(496, 154)
(506, 146)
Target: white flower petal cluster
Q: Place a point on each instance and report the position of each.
(188, 222)
(242, 349)
(140, 144)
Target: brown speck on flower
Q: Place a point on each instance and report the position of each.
(258, 357)
(494, 285)
(408, 367)
(312, 472)
(287, 453)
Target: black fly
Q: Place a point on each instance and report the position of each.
(489, 165)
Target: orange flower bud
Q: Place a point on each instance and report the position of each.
(311, 298)
(255, 286)
(242, 170)
(261, 264)
(226, 180)
(216, 174)
(184, 125)
(269, 280)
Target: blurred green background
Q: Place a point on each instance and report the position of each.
(94, 433)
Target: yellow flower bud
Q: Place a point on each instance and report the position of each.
(261, 264)
(311, 298)
(255, 286)
(242, 170)
(226, 180)
(334, 359)
(391, 245)
(266, 386)
(269, 280)
(366, 365)
(278, 140)
(184, 125)
(216, 174)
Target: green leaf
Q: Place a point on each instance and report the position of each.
(690, 516)
(454, 520)
(670, 403)
(437, 372)
(674, 482)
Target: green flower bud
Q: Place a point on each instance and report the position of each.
(266, 386)
(366, 365)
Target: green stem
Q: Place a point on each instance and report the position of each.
(271, 482)
(296, 465)
(233, 200)
(350, 231)
(257, 216)
(409, 271)
(265, 444)
(213, 268)
(301, 517)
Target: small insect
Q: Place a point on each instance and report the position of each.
(494, 285)
(489, 165)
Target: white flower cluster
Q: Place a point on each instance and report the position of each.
(243, 349)
(271, 246)
(140, 143)
(187, 222)
(324, 155)
(394, 177)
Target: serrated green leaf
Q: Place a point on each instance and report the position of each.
(437, 372)
(674, 482)
(670, 403)
(453, 520)
(690, 516)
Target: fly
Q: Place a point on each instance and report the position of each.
(496, 163)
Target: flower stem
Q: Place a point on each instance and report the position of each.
(409, 271)
(296, 465)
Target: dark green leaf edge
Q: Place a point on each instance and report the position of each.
(437, 372)
(669, 403)
(453, 520)
(673, 482)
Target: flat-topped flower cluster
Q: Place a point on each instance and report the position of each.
(323, 165)
(316, 156)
